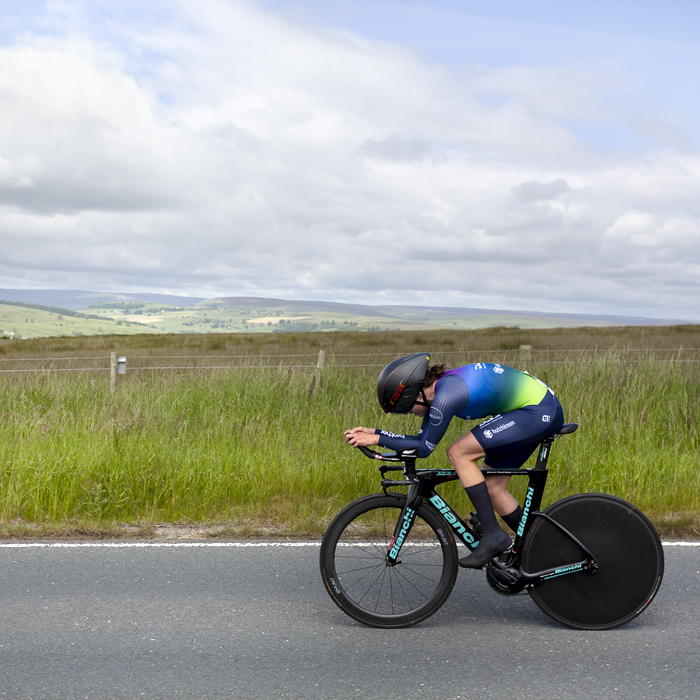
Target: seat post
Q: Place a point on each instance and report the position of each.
(543, 456)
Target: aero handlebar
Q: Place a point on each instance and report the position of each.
(400, 456)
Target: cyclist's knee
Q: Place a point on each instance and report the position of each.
(467, 447)
(453, 453)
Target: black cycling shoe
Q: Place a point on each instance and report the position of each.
(482, 555)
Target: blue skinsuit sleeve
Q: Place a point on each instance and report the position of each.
(451, 397)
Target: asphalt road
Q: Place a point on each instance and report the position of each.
(255, 622)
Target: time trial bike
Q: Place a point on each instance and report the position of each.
(591, 561)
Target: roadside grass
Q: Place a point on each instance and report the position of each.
(260, 452)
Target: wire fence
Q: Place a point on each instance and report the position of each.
(524, 355)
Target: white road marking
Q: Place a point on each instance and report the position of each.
(123, 545)
(29, 545)
(681, 544)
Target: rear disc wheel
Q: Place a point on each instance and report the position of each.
(626, 547)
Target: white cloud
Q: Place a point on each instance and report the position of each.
(642, 230)
(230, 151)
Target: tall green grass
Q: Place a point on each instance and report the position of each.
(266, 446)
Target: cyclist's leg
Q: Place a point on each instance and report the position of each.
(503, 502)
(508, 441)
(470, 474)
(463, 455)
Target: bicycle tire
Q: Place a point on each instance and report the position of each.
(629, 555)
(354, 567)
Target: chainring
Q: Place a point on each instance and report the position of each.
(502, 587)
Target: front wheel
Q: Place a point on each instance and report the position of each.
(626, 547)
(361, 580)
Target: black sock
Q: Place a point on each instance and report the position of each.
(479, 496)
(512, 520)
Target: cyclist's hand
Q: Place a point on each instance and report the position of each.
(359, 429)
(361, 437)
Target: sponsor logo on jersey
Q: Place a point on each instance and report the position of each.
(478, 365)
(499, 429)
(435, 416)
(498, 369)
(546, 419)
(430, 445)
(393, 435)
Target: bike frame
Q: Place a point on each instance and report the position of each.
(422, 485)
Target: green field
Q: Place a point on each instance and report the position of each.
(258, 316)
(260, 451)
(245, 316)
(22, 322)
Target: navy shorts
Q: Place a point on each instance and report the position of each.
(509, 439)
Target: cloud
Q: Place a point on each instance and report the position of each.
(540, 191)
(395, 148)
(223, 149)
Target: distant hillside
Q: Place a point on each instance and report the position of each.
(77, 299)
(25, 320)
(436, 313)
(34, 313)
(300, 305)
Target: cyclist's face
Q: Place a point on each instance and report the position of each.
(419, 410)
(429, 394)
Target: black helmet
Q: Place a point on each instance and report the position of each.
(401, 381)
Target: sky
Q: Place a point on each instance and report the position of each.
(510, 154)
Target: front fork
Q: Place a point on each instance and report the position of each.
(405, 523)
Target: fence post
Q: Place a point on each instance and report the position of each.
(316, 381)
(525, 356)
(320, 365)
(113, 372)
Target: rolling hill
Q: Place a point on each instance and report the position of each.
(41, 313)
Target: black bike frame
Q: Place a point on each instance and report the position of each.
(422, 485)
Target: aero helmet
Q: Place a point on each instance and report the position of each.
(401, 382)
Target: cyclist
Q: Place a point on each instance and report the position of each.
(524, 412)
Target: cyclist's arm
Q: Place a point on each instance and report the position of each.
(451, 396)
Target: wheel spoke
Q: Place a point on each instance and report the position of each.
(371, 588)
